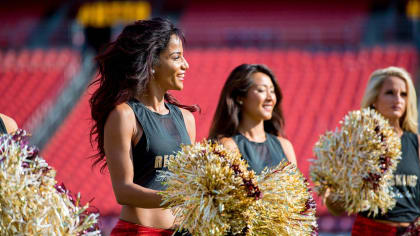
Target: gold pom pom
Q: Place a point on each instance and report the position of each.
(211, 192)
(31, 202)
(287, 207)
(356, 162)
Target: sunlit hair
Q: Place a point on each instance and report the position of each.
(228, 113)
(409, 120)
(125, 70)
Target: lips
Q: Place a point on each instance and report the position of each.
(268, 107)
(180, 76)
(396, 108)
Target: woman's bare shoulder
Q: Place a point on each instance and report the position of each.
(229, 143)
(9, 122)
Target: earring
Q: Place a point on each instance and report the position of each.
(240, 102)
(153, 71)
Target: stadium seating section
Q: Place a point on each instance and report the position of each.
(32, 79)
(272, 23)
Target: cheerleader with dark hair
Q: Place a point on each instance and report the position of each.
(138, 125)
(249, 117)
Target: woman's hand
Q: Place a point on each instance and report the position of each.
(334, 207)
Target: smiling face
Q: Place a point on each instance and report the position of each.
(170, 71)
(260, 99)
(392, 98)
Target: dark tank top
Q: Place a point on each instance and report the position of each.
(406, 184)
(2, 127)
(260, 155)
(161, 140)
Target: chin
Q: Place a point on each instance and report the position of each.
(267, 117)
(178, 87)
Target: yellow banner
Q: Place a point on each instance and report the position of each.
(413, 9)
(103, 14)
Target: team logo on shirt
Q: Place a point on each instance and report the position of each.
(162, 161)
(404, 180)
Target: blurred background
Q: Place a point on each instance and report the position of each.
(322, 53)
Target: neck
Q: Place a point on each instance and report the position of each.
(252, 129)
(395, 123)
(154, 98)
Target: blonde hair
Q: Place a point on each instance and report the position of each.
(377, 78)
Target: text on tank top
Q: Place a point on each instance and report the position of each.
(161, 140)
(3, 129)
(405, 183)
(260, 155)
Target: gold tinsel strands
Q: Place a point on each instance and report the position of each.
(206, 189)
(356, 162)
(211, 192)
(30, 201)
(287, 207)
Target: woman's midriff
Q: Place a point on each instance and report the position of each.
(153, 217)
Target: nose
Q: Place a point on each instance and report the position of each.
(270, 95)
(399, 98)
(185, 65)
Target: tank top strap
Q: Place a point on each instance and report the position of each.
(274, 146)
(3, 129)
(177, 117)
(142, 116)
(237, 138)
(411, 138)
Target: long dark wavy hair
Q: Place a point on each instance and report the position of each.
(228, 113)
(125, 69)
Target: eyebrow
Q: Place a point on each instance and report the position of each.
(391, 89)
(264, 85)
(174, 53)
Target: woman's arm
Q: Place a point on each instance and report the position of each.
(288, 150)
(334, 207)
(120, 128)
(189, 123)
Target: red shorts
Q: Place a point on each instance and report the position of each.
(367, 227)
(126, 228)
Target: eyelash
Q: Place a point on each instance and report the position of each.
(402, 94)
(263, 90)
